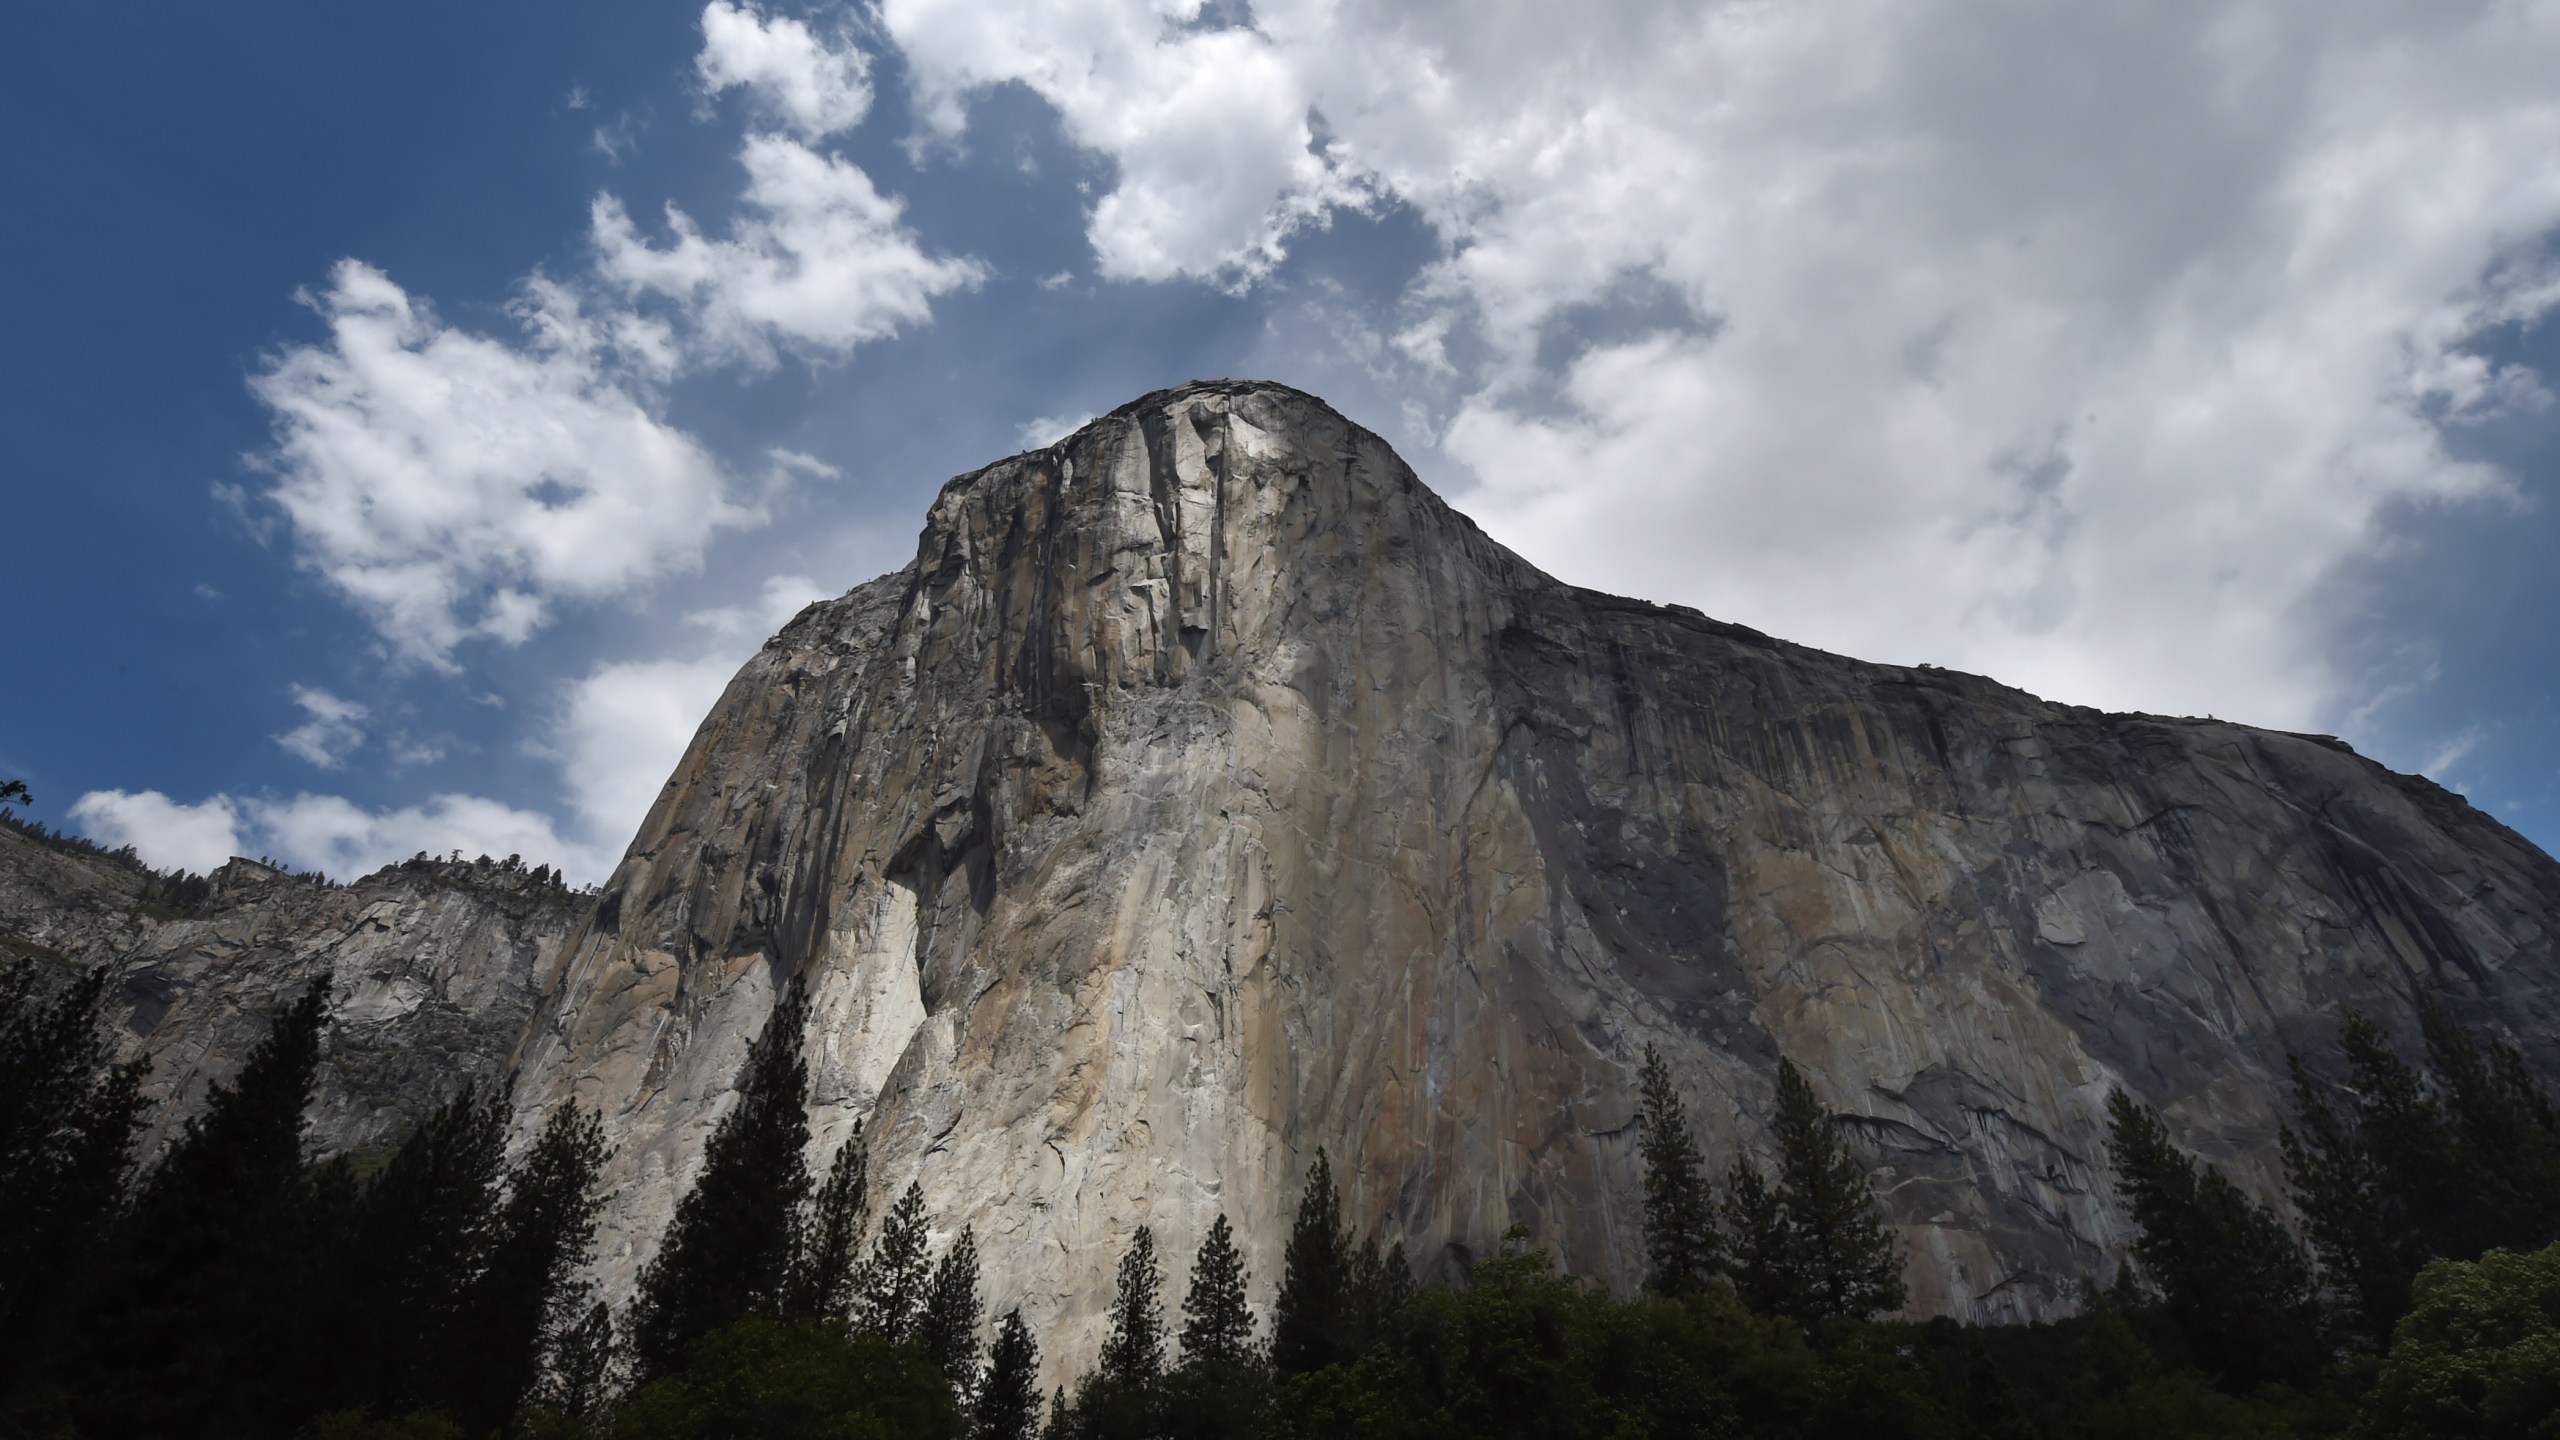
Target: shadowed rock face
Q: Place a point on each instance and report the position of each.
(435, 967)
(1207, 791)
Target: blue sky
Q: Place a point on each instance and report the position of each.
(410, 417)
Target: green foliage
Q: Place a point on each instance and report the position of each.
(1008, 1405)
(794, 1381)
(525, 1310)
(948, 1330)
(67, 1125)
(829, 1244)
(1846, 1264)
(1310, 1323)
(890, 1288)
(2478, 1356)
(728, 1251)
(1683, 1251)
(1217, 1324)
(2234, 1282)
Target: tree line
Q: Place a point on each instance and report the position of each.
(240, 1287)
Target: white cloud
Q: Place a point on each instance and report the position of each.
(815, 88)
(454, 486)
(331, 734)
(163, 832)
(1050, 429)
(820, 260)
(2077, 344)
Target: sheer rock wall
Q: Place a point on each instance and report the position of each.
(1207, 792)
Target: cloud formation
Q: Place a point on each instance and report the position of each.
(2077, 344)
(331, 734)
(814, 88)
(453, 485)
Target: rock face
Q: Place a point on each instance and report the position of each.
(1208, 792)
(435, 967)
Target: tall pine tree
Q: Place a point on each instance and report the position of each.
(1008, 1405)
(1847, 1264)
(728, 1250)
(2233, 1281)
(949, 1327)
(526, 1310)
(1682, 1249)
(67, 1126)
(829, 1247)
(1133, 1354)
(1217, 1324)
(1309, 1319)
(890, 1289)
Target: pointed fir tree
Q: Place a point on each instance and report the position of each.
(829, 1248)
(2354, 1210)
(422, 1233)
(577, 1365)
(527, 1302)
(1133, 1354)
(1217, 1324)
(889, 1289)
(948, 1328)
(1761, 1250)
(68, 1121)
(1847, 1264)
(2506, 1138)
(1682, 1249)
(727, 1252)
(1008, 1406)
(1308, 1320)
(2233, 1281)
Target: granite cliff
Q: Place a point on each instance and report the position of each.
(1207, 791)
(435, 964)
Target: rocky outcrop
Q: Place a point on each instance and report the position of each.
(1207, 792)
(435, 966)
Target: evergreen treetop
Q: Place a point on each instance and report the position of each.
(1315, 1280)
(1682, 1248)
(1217, 1324)
(890, 1289)
(1847, 1263)
(1008, 1405)
(1133, 1355)
(949, 1327)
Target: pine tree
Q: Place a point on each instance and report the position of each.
(1217, 1325)
(829, 1247)
(527, 1303)
(1008, 1405)
(202, 1320)
(1133, 1355)
(67, 1126)
(2354, 1210)
(420, 1237)
(1762, 1251)
(576, 1378)
(2506, 1134)
(2232, 1279)
(1682, 1249)
(728, 1250)
(1315, 1280)
(889, 1289)
(949, 1328)
(1847, 1264)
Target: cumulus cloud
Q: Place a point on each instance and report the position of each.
(818, 260)
(163, 832)
(454, 486)
(815, 88)
(331, 734)
(2077, 344)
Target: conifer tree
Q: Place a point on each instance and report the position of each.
(890, 1288)
(2232, 1279)
(1133, 1354)
(2354, 1209)
(67, 1126)
(1315, 1280)
(1008, 1405)
(949, 1327)
(1847, 1264)
(829, 1247)
(2506, 1133)
(577, 1367)
(1761, 1252)
(727, 1252)
(1217, 1324)
(526, 1306)
(1682, 1249)
(421, 1234)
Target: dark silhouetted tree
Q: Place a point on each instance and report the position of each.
(1009, 1401)
(1682, 1249)
(1309, 1320)
(728, 1250)
(890, 1288)
(1847, 1264)
(830, 1244)
(1217, 1324)
(1761, 1253)
(2233, 1281)
(67, 1125)
(949, 1327)
(527, 1312)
